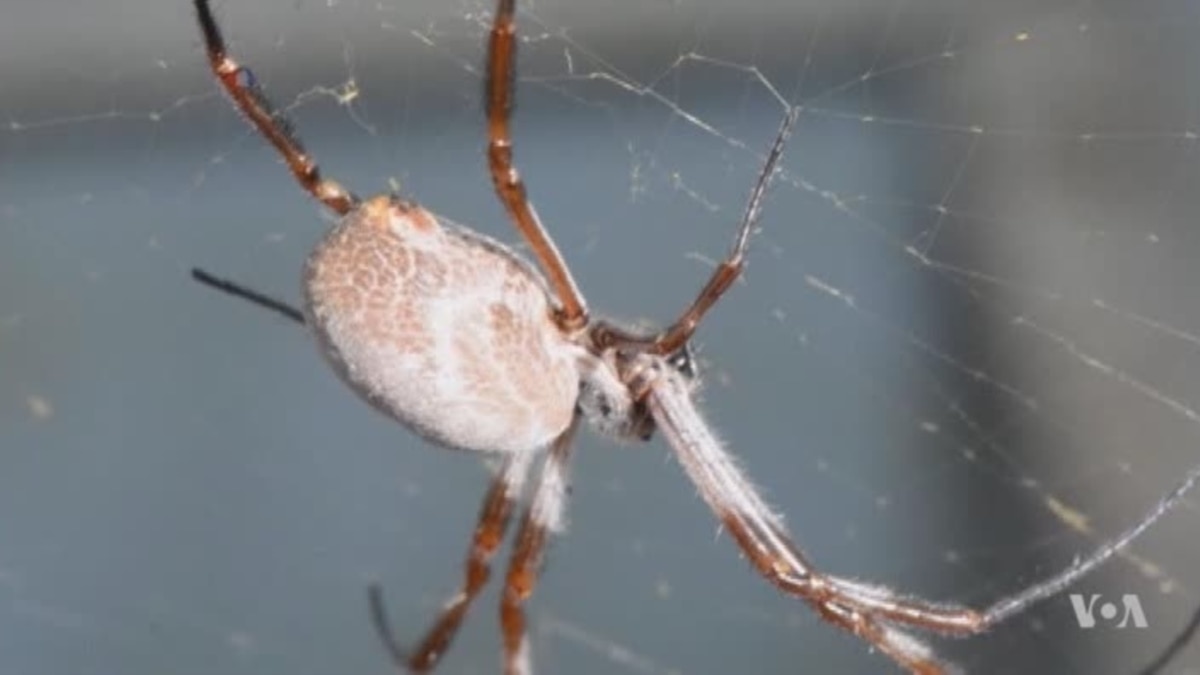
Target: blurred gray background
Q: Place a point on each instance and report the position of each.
(965, 350)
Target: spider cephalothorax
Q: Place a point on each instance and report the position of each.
(609, 403)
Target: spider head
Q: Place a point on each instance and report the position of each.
(608, 404)
(611, 402)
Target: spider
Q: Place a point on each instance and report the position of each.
(463, 342)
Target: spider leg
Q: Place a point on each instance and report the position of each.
(1178, 645)
(494, 516)
(759, 532)
(544, 516)
(250, 295)
(675, 336)
(1018, 602)
(961, 621)
(868, 611)
(499, 85)
(252, 102)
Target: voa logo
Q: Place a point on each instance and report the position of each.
(1092, 607)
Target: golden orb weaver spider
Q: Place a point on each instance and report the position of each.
(459, 339)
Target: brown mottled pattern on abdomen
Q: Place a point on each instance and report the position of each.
(395, 298)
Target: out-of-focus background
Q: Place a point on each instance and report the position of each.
(967, 348)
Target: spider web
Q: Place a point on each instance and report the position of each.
(964, 352)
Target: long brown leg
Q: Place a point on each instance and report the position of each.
(871, 612)
(760, 534)
(674, 337)
(501, 73)
(544, 517)
(494, 517)
(240, 85)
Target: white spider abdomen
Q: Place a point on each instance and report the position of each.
(441, 328)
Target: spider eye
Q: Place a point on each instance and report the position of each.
(683, 361)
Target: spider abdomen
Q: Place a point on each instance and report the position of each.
(446, 331)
